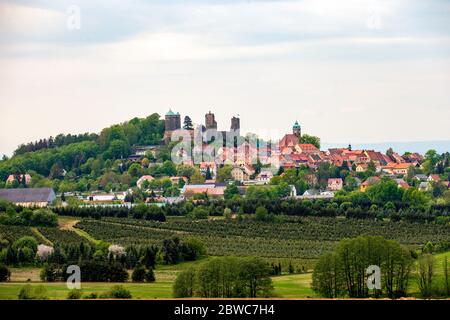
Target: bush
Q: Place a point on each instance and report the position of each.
(199, 212)
(138, 274)
(44, 217)
(150, 275)
(74, 294)
(192, 249)
(92, 295)
(29, 293)
(50, 273)
(5, 274)
(25, 242)
(117, 292)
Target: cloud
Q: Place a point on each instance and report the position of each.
(272, 62)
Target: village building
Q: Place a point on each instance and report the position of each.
(141, 180)
(434, 178)
(264, 176)
(238, 174)
(402, 183)
(19, 178)
(335, 184)
(369, 182)
(29, 197)
(402, 168)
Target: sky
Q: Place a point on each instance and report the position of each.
(348, 71)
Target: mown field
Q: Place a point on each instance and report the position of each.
(290, 286)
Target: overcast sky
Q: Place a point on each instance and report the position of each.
(348, 71)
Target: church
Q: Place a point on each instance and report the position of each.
(290, 140)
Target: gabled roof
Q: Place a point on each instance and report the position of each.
(28, 195)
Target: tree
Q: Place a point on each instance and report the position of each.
(200, 212)
(149, 257)
(437, 189)
(350, 184)
(310, 139)
(344, 270)
(118, 149)
(197, 178)
(192, 249)
(385, 191)
(184, 284)
(327, 277)
(224, 173)
(226, 277)
(208, 175)
(426, 274)
(432, 156)
(261, 214)
(5, 274)
(138, 274)
(171, 250)
(187, 124)
(230, 191)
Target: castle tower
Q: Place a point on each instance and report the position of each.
(172, 122)
(296, 129)
(235, 124)
(210, 122)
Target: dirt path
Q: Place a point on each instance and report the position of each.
(41, 236)
(67, 223)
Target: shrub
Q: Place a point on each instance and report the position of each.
(92, 295)
(44, 217)
(117, 292)
(74, 294)
(29, 293)
(50, 273)
(138, 274)
(25, 242)
(199, 212)
(5, 274)
(150, 275)
(192, 249)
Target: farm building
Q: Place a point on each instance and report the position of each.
(29, 197)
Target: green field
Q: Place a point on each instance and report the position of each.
(298, 241)
(290, 286)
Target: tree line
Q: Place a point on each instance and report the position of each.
(344, 272)
(225, 277)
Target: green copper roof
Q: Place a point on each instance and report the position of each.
(296, 125)
(170, 113)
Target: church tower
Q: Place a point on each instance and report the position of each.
(296, 129)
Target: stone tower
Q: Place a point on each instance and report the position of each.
(172, 122)
(235, 124)
(210, 122)
(297, 130)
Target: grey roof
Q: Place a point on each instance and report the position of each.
(311, 192)
(28, 195)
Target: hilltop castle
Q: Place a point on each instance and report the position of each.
(172, 122)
